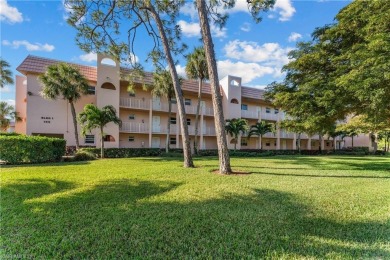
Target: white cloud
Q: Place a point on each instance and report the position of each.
(181, 70)
(6, 89)
(89, 57)
(294, 37)
(285, 9)
(189, 29)
(9, 101)
(133, 58)
(268, 53)
(257, 86)
(192, 29)
(247, 71)
(246, 27)
(9, 14)
(29, 46)
(189, 9)
(218, 32)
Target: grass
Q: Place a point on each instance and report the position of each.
(289, 207)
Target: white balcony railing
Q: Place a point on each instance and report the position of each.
(134, 103)
(249, 114)
(285, 134)
(134, 127)
(269, 116)
(208, 111)
(270, 135)
(209, 131)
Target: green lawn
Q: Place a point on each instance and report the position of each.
(288, 207)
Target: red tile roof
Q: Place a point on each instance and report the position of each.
(38, 65)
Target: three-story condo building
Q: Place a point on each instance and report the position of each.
(145, 117)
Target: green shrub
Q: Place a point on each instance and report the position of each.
(17, 149)
(84, 156)
(8, 134)
(125, 152)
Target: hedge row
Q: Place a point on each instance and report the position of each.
(17, 149)
(141, 152)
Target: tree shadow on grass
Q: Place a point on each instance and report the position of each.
(50, 164)
(336, 163)
(138, 219)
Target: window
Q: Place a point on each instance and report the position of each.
(234, 101)
(188, 121)
(244, 142)
(327, 143)
(172, 140)
(267, 144)
(91, 90)
(109, 138)
(131, 138)
(132, 117)
(108, 85)
(187, 102)
(244, 107)
(173, 100)
(275, 143)
(268, 110)
(276, 111)
(89, 139)
(173, 120)
(131, 94)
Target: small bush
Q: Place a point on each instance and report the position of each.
(9, 134)
(125, 152)
(84, 156)
(16, 149)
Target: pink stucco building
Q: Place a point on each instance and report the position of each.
(145, 117)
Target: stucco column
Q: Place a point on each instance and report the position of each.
(334, 143)
(294, 146)
(278, 139)
(201, 131)
(150, 123)
(322, 144)
(259, 114)
(309, 144)
(177, 131)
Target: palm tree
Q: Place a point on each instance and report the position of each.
(5, 74)
(196, 68)
(260, 129)
(236, 126)
(7, 112)
(66, 81)
(92, 117)
(163, 87)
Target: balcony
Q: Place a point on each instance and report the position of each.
(209, 131)
(269, 116)
(270, 135)
(134, 103)
(131, 127)
(285, 134)
(249, 114)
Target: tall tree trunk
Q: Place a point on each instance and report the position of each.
(260, 142)
(169, 125)
(320, 139)
(299, 143)
(352, 141)
(223, 152)
(101, 143)
(197, 117)
(176, 85)
(76, 133)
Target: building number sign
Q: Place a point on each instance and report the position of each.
(46, 119)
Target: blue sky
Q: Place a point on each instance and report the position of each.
(255, 52)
